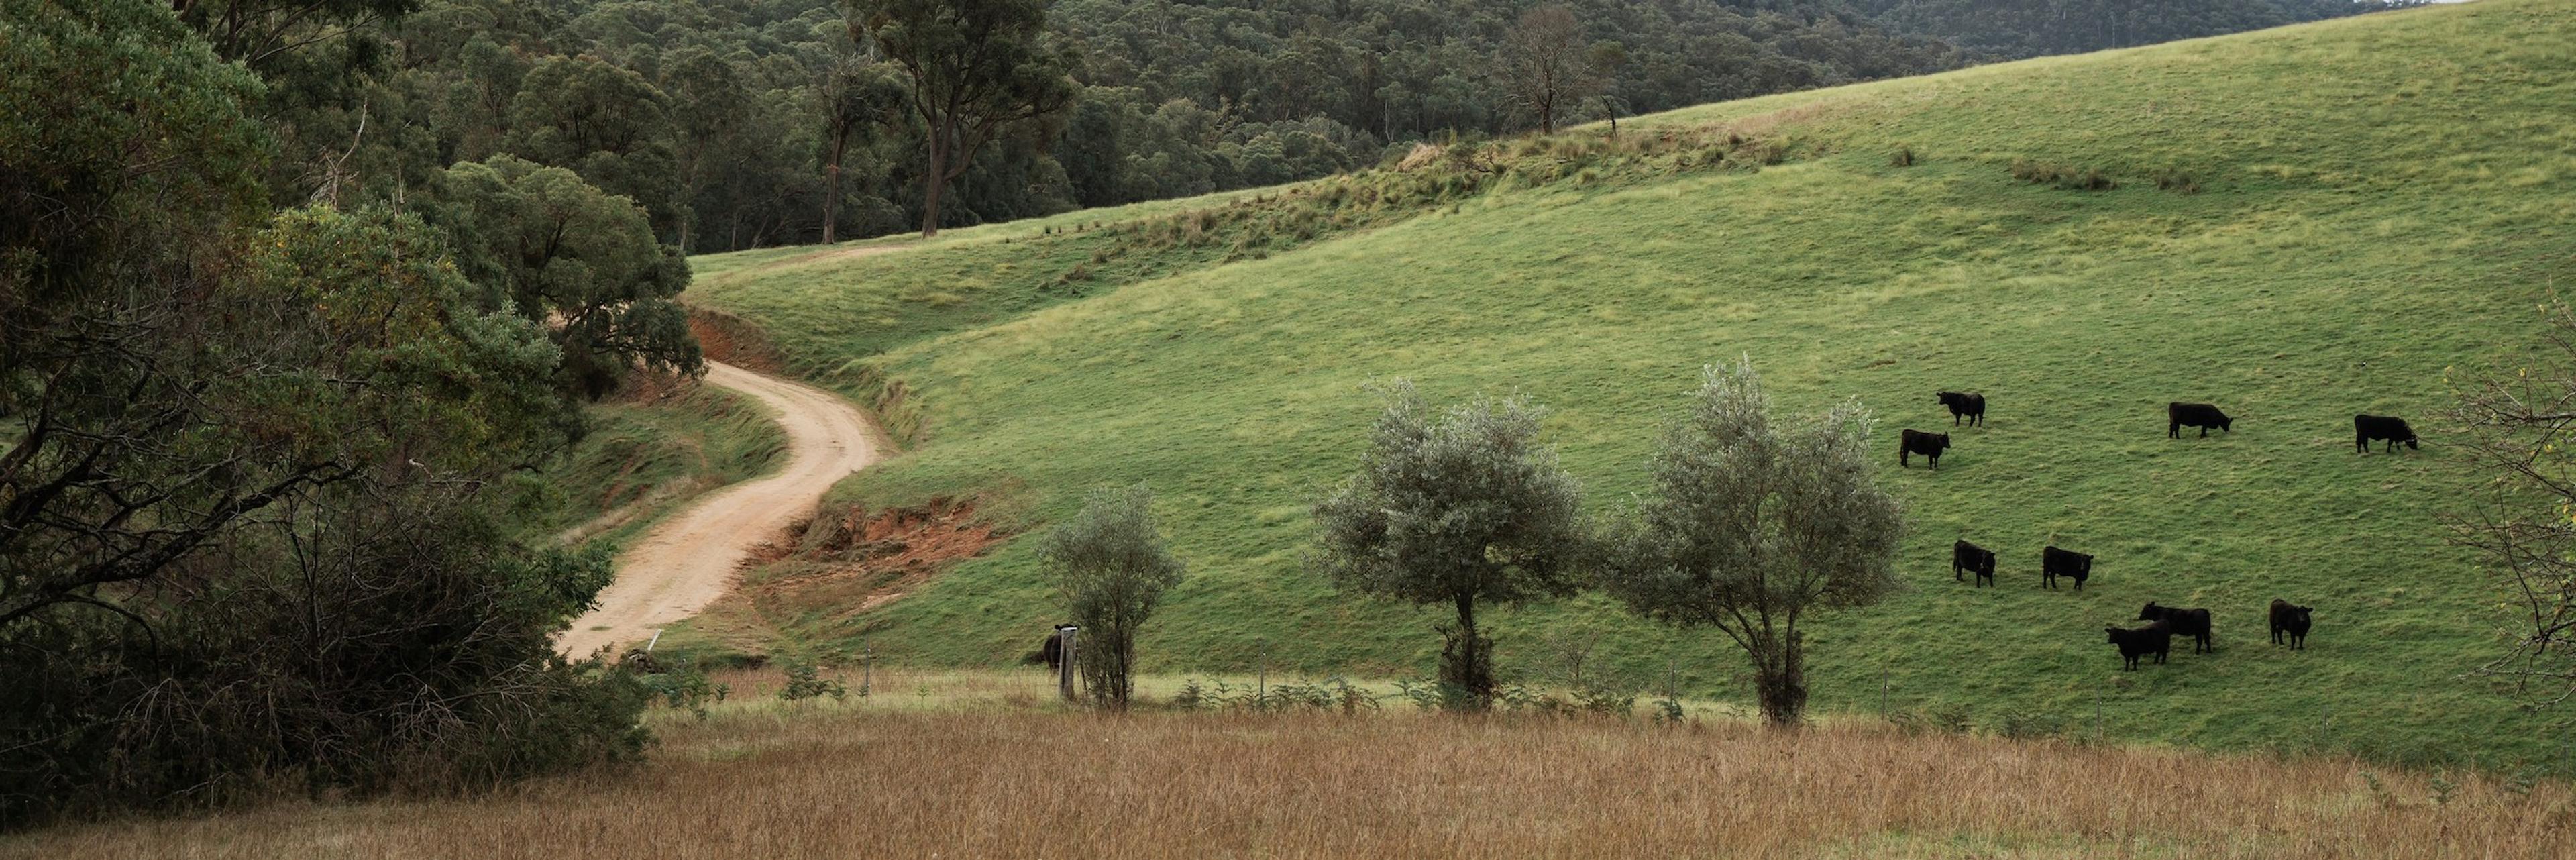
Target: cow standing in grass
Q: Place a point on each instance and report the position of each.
(2367, 428)
(2154, 639)
(2292, 620)
(2185, 622)
(1971, 407)
(1965, 556)
(2201, 415)
(2054, 563)
(1050, 652)
(1930, 445)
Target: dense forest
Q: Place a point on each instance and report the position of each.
(728, 120)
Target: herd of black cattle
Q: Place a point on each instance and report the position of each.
(2289, 621)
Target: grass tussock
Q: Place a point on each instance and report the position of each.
(874, 776)
(2062, 176)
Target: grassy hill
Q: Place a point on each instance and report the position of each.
(2307, 223)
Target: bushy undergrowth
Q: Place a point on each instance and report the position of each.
(404, 655)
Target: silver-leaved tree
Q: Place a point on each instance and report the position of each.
(1753, 529)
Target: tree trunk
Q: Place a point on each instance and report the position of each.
(937, 178)
(832, 199)
(1466, 660)
(1780, 680)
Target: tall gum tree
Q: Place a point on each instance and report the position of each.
(977, 69)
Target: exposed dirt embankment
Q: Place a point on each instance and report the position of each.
(834, 568)
(859, 559)
(734, 340)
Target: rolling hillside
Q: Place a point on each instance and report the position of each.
(2306, 223)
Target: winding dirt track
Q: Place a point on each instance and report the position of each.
(688, 561)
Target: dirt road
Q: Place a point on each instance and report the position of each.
(689, 560)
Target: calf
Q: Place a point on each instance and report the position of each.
(1930, 445)
(1963, 405)
(2292, 620)
(2201, 415)
(2392, 428)
(2054, 563)
(2154, 639)
(1973, 559)
(2185, 622)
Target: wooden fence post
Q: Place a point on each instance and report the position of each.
(1064, 653)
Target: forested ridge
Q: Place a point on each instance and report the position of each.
(722, 117)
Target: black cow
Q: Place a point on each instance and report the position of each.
(2054, 563)
(1963, 405)
(2292, 620)
(1973, 559)
(2392, 428)
(1050, 652)
(2154, 639)
(2201, 415)
(1930, 445)
(2185, 622)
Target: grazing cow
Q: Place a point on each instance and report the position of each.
(2392, 428)
(1050, 652)
(2292, 620)
(1930, 445)
(2154, 639)
(2201, 415)
(2054, 563)
(1973, 559)
(2185, 622)
(1963, 405)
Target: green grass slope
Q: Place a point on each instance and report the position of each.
(2379, 199)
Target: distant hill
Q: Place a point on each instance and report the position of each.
(2301, 224)
(2030, 28)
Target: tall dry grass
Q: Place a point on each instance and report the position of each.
(984, 780)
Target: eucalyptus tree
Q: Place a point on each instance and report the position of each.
(1754, 529)
(1460, 508)
(978, 69)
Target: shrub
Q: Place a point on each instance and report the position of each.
(805, 682)
(683, 688)
(1111, 570)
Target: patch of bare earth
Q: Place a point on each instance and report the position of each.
(733, 340)
(841, 565)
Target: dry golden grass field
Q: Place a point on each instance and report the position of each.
(980, 765)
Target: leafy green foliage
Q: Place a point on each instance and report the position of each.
(1111, 570)
(243, 548)
(804, 682)
(1454, 509)
(978, 69)
(558, 250)
(1751, 529)
(609, 125)
(126, 147)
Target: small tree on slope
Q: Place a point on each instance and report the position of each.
(1750, 530)
(1112, 568)
(1454, 509)
(2520, 439)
